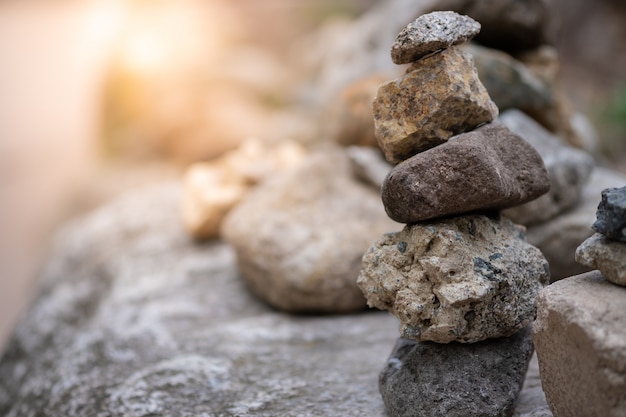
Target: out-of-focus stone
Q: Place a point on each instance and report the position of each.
(559, 237)
(532, 401)
(488, 168)
(299, 237)
(569, 170)
(349, 120)
(510, 25)
(463, 279)
(611, 214)
(432, 32)
(510, 84)
(369, 164)
(580, 337)
(439, 96)
(608, 256)
(212, 189)
(483, 379)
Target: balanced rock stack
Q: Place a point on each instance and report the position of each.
(458, 271)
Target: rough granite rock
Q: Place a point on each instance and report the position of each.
(510, 25)
(611, 214)
(608, 256)
(432, 32)
(461, 279)
(299, 238)
(425, 379)
(488, 168)
(558, 238)
(580, 337)
(569, 170)
(438, 96)
(134, 320)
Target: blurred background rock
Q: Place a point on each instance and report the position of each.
(100, 96)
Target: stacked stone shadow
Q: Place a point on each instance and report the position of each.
(461, 279)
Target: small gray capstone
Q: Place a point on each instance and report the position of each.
(430, 33)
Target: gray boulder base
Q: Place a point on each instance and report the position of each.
(580, 337)
(425, 379)
(134, 319)
(430, 33)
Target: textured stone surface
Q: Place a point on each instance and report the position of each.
(300, 237)
(133, 319)
(489, 168)
(569, 170)
(558, 238)
(432, 32)
(608, 256)
(611, 214)
(424, 379)
(510, 25)
(212, 189)
(438, 97)
(580, 337)
(462, 279)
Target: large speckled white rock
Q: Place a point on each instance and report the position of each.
(462, 279)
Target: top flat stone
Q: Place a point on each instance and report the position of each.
(611, 214)
(432, 32)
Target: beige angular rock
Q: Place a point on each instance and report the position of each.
(300, 236)
(580, 338)
(431, 32)
(212, 189)
(608, 256)
(461, 279)
(488, 168)
(438, 97)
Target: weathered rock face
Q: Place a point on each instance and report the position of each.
(608, 256)
(438, 97)
(569, 170)
(423, 379)
(510, 25)
(611, 214)
(488, 168)
(558, 238)
(299, 238)
(580, 337)
(432, 32)
(462, 279)
(136, 320)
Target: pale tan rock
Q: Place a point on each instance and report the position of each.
(439, 96)
(580, 338)
(608, 256)
(463, 279)
(299, 237)
(211, 189)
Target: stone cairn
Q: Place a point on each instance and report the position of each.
(458, 274)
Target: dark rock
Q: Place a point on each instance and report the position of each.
(510, 25)
(611, 214)
(488, 168)
(434, 380)
(432, 32)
